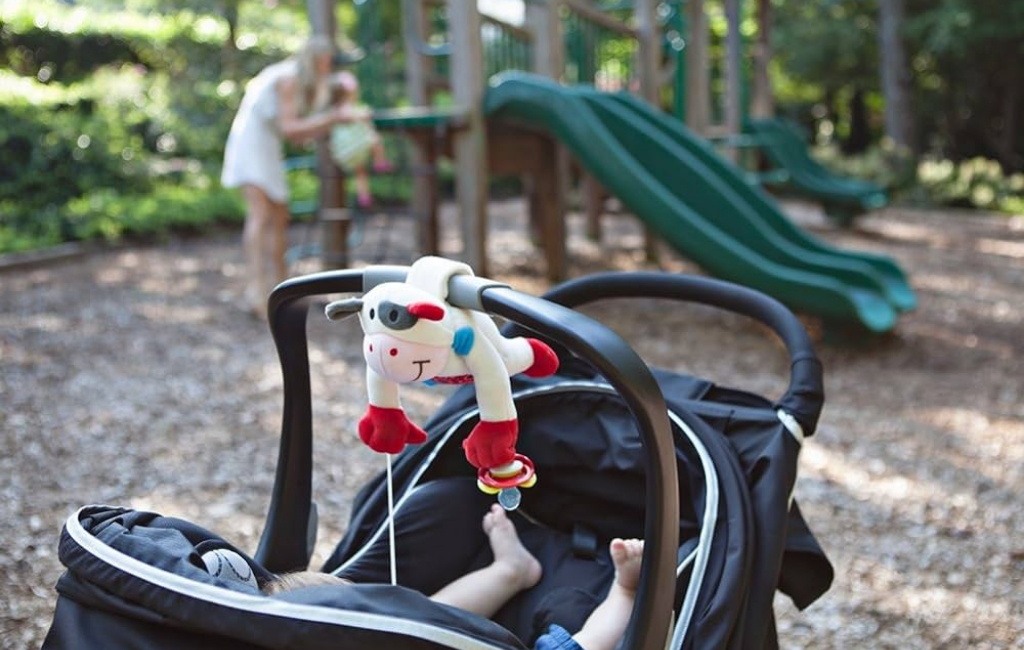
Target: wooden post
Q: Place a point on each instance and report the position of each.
(334, 217)
(549, 185)
(645, 12)
(733, 71)
(698, 90)
(470, 143)
(548, 50)
(762, 104)
(424, 147)
(593, 206)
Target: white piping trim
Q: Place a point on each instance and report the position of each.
(792, 426)
(686, 562)
(263, 604)
(411, 489)
(702, 553)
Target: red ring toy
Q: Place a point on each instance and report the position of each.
(526, 477)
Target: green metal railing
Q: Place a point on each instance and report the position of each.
(506, 46)
(380, 72)
(601, 47)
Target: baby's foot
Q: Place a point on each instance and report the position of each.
(509, 552)
(626, 555)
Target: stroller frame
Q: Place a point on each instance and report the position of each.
(292, 509)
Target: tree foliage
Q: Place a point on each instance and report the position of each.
(967, 59)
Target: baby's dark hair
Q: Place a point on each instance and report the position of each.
(300, 579)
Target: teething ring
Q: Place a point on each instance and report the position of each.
(517, 473)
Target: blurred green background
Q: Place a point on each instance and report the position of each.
(113, 114)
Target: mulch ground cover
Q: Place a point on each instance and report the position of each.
(134, 377)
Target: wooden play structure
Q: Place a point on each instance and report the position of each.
(575, 92)
(560, 40)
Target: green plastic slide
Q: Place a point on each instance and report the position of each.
(676, 184)
(768, 213)
(842, 198)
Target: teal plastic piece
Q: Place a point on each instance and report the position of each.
(429, 117)
(842, 198)
(703, 210)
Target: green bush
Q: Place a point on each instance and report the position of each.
(52, 41)
(108, 214)
(977, 183)
(111, 215)
(974, 183)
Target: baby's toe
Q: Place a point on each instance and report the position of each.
(618, 550)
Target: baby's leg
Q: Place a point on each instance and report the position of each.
(514, 569)
(363, 196)
(381, 164)
(606, 624)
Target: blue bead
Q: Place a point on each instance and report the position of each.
(463, 341)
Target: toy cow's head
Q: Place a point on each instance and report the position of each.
(406, 337)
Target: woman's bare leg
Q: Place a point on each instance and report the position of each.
(514, 569)
(279, 246)
(264, 239)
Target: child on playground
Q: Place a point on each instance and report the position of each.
(353, 143)
(515, 569)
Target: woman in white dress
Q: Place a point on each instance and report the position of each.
(287, 100)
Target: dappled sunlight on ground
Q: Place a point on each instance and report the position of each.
(1011, 249)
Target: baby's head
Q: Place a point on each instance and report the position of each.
(228, 565)
(345, 86)
(300, 579)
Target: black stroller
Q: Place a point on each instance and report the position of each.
(703, 473)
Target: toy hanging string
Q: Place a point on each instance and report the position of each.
(391, 522)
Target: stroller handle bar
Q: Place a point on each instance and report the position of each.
(287, 540)
(805, 394)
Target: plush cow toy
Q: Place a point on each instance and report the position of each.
(413, 335)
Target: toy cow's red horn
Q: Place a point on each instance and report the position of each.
(426, 310)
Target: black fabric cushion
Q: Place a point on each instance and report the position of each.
(142, 576)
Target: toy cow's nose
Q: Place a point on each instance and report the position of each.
(395, 316)
(399, 317)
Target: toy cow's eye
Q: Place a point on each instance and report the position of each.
(371, 313)
(393, 315)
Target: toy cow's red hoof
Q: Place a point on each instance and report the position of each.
(387, 430)
(545, 361)
(490, 444)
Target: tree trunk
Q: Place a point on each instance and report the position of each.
(762, 104)
(860, 135)
(230, 13)
(1008, 152)
(896, 75)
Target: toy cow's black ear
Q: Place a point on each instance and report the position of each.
(340, 309)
